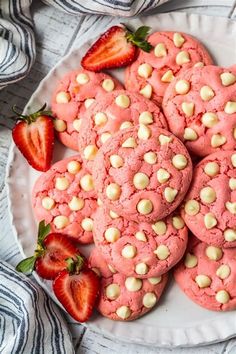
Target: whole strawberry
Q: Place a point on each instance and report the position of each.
(33, 134)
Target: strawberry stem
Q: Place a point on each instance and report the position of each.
(138, 38)
(30, 118)
(75, 265)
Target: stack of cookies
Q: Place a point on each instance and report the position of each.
(132, 188)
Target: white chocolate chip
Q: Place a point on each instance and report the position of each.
(182, 87)
(170, 194)
(63, 97)
(164, 139)
(100, 118)
(230, 235)
(86, 183)
(76, 204)
(140, 235)
(76, 124)
(217, 140)
(223, 271)
(90, 152)
(190, 134)
(211, 169)
(150, 157)
(73, 167)
(168, 76)
(210, 221)
(122, 101)
(97, 271)
(133, 284)
(108, 85)
(155, 280)
(123, 312)
(129, 251)
(190, 260)
(116, 161)
(231, 207)
(82, 79)
(149, 300)
(140, 180)
(159, 227)
(206, 93)
(203, 281)
(207, 195)
(192, 207)
(162, 175)
(209, 119)
(182, 57)
(230, 107)
(146, 91)
(113, 191)
(61, 221)
(160, 50)
(178, 222)
(199, 64)
(227, 79)
(222, 296)
(99, 202)
(126, 125)
(214, 253)
(233, 160)
(89, 102)
(145, 70)
(234, 133)
(59, 125)
(188, 108)
(146, 118)
(112, 234)
(112, 269)
(144, 132)
(48, 203)
(178, 40)
(232, 184)
(112, 291)
(87, 224)
(179, 161)
(104, 137)
(162, 252)
(113, 215)
(62, 183)
(129, 143)
(141, 268)
(145, 206)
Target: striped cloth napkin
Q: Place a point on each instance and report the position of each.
(17, 42)
(30, 323)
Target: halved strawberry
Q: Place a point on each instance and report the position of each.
(50, 255)
(116, 47)
(33, 134)
(77, 289)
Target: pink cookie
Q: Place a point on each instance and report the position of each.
(125, 298)
(207, 275)
(210, 205)
(172, 54)
(200, 106)
(64, 196)
(76, 91)
(140, 249)
(142, 173)
(115, 111)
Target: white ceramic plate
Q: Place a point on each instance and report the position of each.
(176, 321)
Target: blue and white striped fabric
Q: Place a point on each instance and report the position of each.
(30, 322)
(17, 43)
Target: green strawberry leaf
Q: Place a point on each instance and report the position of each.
(75, 265)
(138, 38)
(26, 265)
(43, 231)
(141, 32)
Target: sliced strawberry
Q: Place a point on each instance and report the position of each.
(77, 292)
(34, 137)
(116, 47)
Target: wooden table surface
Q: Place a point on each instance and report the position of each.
(56, 34)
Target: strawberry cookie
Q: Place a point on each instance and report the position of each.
(142, 173)
(112, 112)
(125, 298)
(64, 196)
(210, 206)
(207, 275)
(140, 249)
(200, 106)
(75, 92)
(172, 54)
